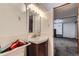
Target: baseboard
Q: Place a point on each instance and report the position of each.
(59, 35)
(68, 38)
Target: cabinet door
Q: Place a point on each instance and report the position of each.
(38, 49)
(31, 50)
(43, 49)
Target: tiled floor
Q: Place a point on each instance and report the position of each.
(65, 47)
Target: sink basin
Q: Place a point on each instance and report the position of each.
(38, 40)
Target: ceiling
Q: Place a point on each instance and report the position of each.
(49, 6)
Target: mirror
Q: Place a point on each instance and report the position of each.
(34, 22)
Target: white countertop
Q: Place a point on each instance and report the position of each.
(38, 40)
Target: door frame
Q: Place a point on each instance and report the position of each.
(77, 38)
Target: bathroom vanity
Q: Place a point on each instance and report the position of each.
(39, 42)
(38, 47)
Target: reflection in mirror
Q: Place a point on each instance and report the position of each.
(31, 23)
(34, 22)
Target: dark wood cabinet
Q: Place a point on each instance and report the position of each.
(38, 49)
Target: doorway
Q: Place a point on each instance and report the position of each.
(65, 30)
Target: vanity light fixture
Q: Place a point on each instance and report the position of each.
(37, 10)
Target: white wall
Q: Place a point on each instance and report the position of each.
(9, 19)
(44, 26)
(69, 30)
(11, 28)
(49, 32)
(58, 28)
